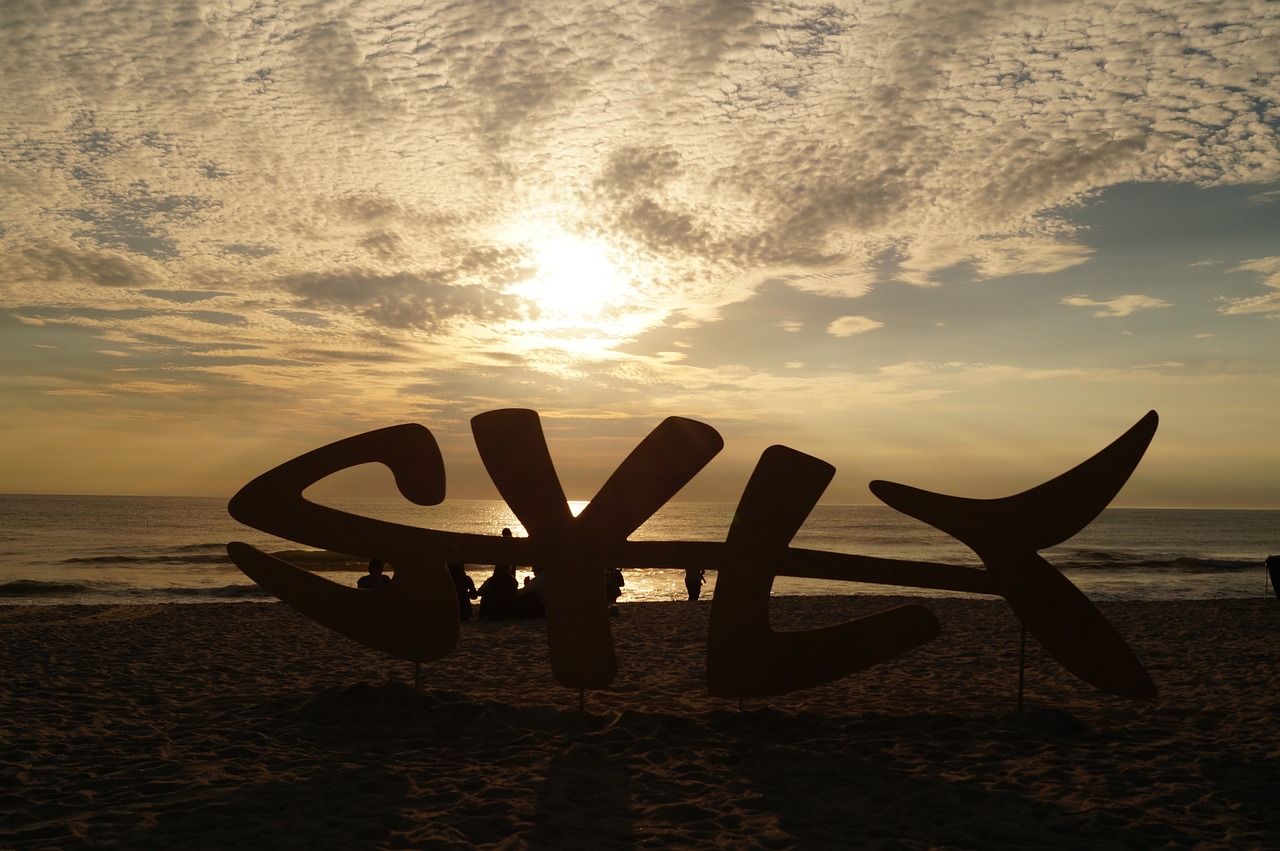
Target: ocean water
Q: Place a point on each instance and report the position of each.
(96, 549)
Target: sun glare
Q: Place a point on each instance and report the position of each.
(575, 279)
(586, 293)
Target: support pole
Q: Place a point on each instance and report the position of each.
(1022, 665)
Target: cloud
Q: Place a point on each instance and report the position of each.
(46, 263)
(732, 142)
(845, 283)
(304, 317)
(151, 388)
(349, 191)
(993, 258)
(847, 326)
(1120, 306)
(182, 296)
(1267, 303)
(634, 169)
(402, 301)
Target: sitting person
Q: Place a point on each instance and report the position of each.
(529, 599)
(613, 582)
(375, 578)
(498, 598)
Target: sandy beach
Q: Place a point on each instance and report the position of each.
(246, 725)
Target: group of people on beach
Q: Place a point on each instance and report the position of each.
(501, 596)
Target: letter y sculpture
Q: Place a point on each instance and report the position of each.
(415, 617)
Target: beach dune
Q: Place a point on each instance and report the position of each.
(247, 725)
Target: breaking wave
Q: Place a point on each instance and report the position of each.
(39, 589)
(1104, 560)
(36, 588)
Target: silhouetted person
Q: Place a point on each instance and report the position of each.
(613, 583)
(498, 594)
(506, 537)
(1273, 570)
(529, 599)
(466, 589)
(375, 578)
(694, 578)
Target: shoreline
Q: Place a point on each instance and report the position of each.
(246, 724)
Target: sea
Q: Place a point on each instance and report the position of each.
(57, 549)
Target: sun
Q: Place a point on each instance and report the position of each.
(575, 279)
(585, 291)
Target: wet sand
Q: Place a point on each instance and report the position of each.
(246, 725)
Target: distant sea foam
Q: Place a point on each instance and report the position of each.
(96, 549)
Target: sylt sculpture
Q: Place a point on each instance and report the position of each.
(416, 617)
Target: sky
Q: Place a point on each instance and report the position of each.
(961, 246)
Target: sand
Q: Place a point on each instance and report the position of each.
(245, 725)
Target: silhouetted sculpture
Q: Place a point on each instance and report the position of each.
(415, 617)
(465, 589)
(745, 657)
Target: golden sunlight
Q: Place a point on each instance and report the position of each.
(576, 279)
(586, 292)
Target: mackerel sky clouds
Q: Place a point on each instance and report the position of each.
(960, 245)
